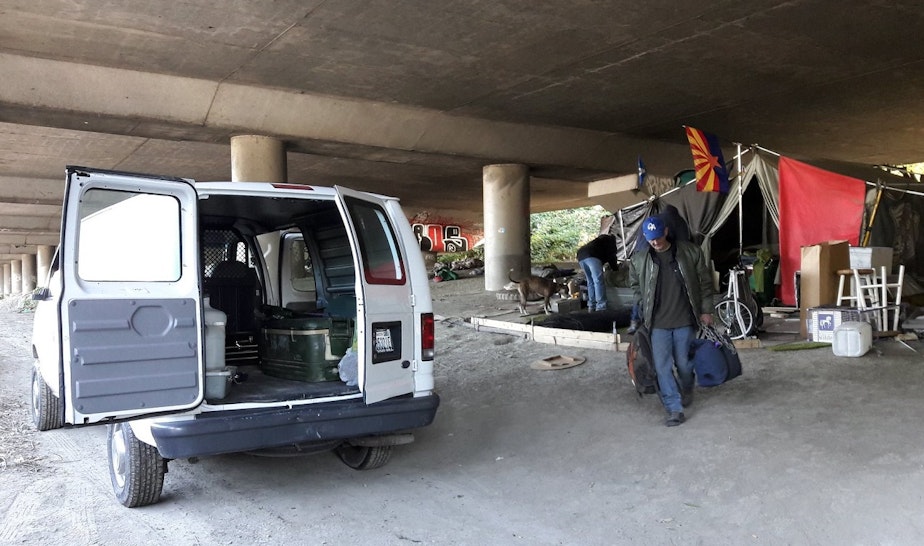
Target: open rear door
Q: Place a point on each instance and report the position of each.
(387, 327)
(130, 306)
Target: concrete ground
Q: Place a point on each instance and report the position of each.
(803, 448)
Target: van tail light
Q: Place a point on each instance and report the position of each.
(427, 336)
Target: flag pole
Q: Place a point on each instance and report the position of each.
(740, 208)
(622, 232)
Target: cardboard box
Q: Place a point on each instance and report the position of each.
(825, 320)
(871, 257)
(818, 285)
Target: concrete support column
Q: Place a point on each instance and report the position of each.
(43, 256)
(258, 159)
(16, 277)
(506, 223)
(7, 280)
(28, 273)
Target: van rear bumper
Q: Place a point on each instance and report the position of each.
(214, 433)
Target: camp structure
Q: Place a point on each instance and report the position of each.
(780, 205)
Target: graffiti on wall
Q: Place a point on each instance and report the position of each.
(443, 235)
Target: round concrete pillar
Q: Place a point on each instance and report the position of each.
(16, 277)
(43, 256)
(506, 223)
(28, 273)
(258, 159)
(7, 280)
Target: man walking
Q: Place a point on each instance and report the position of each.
(671, 282)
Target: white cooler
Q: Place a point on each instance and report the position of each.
(852, 339)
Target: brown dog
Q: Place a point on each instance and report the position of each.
(536, 285)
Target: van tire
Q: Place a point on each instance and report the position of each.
(136, 469)
(46, 407)
(364, 457)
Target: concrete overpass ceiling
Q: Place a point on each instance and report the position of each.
(413, 98)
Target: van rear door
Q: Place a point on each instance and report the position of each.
(384, 298)
(130, 310)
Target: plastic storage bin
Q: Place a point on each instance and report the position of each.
(852, 339)
(217, 382)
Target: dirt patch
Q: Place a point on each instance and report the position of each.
(17, 437)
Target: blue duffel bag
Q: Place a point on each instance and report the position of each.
(715, 358)
(709, 363)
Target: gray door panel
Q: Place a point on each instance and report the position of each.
(133, 353)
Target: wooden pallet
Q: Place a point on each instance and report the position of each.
(554, 336)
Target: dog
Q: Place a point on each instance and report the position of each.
(545, 288)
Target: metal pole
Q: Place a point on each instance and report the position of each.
(740, 209)
(622, 231)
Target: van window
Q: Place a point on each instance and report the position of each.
(301, 273)
(125, 236)
(377, 244)
(222, 245)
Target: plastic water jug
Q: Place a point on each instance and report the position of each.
(215, 321)
(852, 339)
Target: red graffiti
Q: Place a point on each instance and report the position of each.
(439, 238)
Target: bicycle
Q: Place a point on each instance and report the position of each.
(738, 310)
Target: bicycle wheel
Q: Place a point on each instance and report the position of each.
(737, 318)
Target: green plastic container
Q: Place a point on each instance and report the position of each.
(304, 349)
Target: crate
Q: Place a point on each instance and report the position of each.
(824, 320)
(566, 305)
(304, 349)
(617, 296)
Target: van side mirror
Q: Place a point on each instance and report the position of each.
(40, 294)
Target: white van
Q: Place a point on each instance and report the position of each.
(204, 318)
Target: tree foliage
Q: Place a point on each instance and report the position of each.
(556, 235)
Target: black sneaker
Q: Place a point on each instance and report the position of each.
(686, 397)
(675, 419)
(633, 327)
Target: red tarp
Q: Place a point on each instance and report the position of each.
(815, 206)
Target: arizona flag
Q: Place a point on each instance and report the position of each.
(711, 174)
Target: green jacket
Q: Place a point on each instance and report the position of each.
(643, 279)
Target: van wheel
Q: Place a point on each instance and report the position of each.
(364, 457)
(135, 468)
(46, 407)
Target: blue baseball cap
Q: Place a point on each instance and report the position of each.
(653, 228)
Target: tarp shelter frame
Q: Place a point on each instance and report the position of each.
(767, 179)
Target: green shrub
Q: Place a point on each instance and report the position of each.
(556, 235)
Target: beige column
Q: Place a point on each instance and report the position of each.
(7, 280)
(258, 159)
(43, 256)
(506, 223)
(28, 273)
(16, 277)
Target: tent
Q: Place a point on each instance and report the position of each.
(795, 204)
(707, 214)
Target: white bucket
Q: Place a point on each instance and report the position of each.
(852, 339)
(215, 321)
